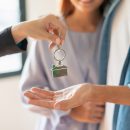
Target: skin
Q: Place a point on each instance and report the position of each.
(77, 95)
(89, 112)
(85, 18)
(44, 28)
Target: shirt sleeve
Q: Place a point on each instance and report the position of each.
(8, 45)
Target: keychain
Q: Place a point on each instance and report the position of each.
(59, 69)
(59, 55)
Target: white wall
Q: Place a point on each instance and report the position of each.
(12, 115)
(36, 8)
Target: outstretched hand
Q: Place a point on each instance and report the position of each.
(64, 99)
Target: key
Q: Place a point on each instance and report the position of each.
(59, 70)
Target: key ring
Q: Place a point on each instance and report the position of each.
(61, 53)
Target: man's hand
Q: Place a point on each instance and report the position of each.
(67, 98)
(64, 99)
(89, 112)
(40, 98)
(48, 28)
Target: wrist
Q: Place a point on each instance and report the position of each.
(95, 93)
(19, 32)
(100, 93)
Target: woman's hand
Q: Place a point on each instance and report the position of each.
(48, 28)
(89, 112)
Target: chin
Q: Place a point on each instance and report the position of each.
(86, 10)
(88, 5)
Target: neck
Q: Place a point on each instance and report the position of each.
(87, 17)
(84, 21)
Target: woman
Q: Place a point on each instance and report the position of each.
(13, 39)
(84, 21)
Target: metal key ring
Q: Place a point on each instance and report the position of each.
(62, 51)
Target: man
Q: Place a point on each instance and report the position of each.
(118, 68)
(13, 39)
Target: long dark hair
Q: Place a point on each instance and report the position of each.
(66, 7)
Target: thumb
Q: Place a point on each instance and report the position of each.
(53, 38)
(50, 37)
(52, 45)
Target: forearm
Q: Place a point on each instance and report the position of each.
(117, 95)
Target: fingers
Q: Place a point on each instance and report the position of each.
(61, 27)
(100, 109)
(54, 36)
(49, 93)
(49, 37)
(100, 104)
(37, 93)
(42, 103)
(40, 97)
(94, 112)
(43, 94)
(43, 91)
(56, 26)
(96, 116)
(61, 39)
(86, 118)
(52, 45)
(30, 95)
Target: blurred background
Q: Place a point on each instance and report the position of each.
(12, 114)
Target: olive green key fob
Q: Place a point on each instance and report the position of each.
(58, 71)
